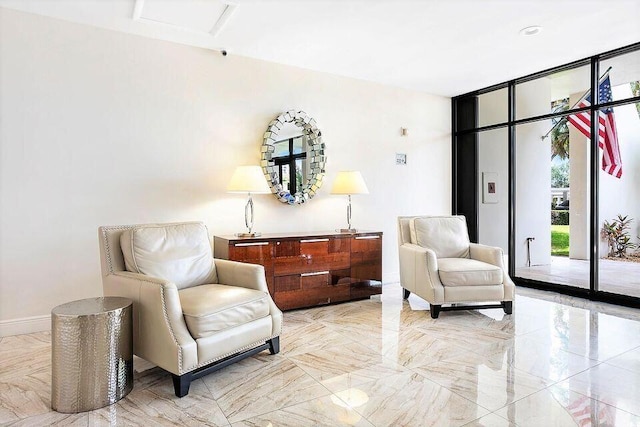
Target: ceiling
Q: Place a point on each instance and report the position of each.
(445, 47)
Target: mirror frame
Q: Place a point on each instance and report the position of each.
(315, 156)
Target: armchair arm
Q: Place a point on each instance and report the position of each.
(160, 334)
(241, 274)
(250, 276)
(419, 273)
(489, 254)
(493, 255)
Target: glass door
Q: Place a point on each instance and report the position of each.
(619, 178)
(526, 174)
(552, 182)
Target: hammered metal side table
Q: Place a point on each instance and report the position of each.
(91, 353)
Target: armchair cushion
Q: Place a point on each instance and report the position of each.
(467, 272)
(180, 253)
(446, 236)
(209, 309)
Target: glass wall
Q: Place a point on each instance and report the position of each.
(556, 88)
(552, 204)
(618, 177)
(493, 107)
(493, 196)
(619, 199)
(624, 73)
(550, 228)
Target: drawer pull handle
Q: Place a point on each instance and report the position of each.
(313, 240)
(367, 237)
(252, 244)
(317, 273)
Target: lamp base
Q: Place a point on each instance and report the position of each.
(347, 230)
(252, 234)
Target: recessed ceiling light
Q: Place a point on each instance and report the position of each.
(531, 31)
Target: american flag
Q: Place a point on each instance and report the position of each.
(607, 135)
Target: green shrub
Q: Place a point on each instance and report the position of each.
(616, 233)
(559, 217)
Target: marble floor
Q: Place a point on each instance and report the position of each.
(557, 361)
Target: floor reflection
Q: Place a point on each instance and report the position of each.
(618, 277)
(556, 360)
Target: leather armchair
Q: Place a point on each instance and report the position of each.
(192, 314)
(439, 264)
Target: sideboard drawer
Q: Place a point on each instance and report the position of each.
(366, 258)
(298, 282)
(305, 270)
(317, 279)
(307, 263)
(254, 252)
(366, 243)
(287, 300)
(311, 255)
(287, 283)
(245, 251)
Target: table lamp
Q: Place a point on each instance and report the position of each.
(248, 179)
(349, 183)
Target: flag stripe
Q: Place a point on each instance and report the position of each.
(607, 134)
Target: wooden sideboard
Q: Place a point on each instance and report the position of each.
(309, 269)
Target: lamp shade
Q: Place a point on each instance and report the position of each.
(349, 182)
(248, 179)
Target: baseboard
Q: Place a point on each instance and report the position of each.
(25, 325)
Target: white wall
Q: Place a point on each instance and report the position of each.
(99, 128)
(493, 218)
(617, 196)
(622, 196)
(533, 173)
(579, 186)
(493, 156)
(533, 176)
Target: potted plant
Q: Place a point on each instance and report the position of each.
(616, 233)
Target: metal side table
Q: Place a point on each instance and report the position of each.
(91, 353)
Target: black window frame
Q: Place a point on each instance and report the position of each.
(290, 159)
(464, 155)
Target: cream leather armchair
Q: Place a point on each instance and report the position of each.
(440, 265)
(192, 314)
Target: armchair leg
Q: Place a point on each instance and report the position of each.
(434, 310)
(405, 293)
(507, 306)
(181, 384)
(274, 345)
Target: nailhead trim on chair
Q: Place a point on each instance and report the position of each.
(173, 335)
(164, 306)
(240, 350)
(106, 242)
(181, 370)
(166, 319)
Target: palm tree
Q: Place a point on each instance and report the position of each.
(560, 140)
(560, 133)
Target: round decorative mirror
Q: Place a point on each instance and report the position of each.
(293, 159)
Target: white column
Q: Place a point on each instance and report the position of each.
(579, 191)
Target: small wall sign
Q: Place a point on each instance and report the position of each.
(401, 159)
